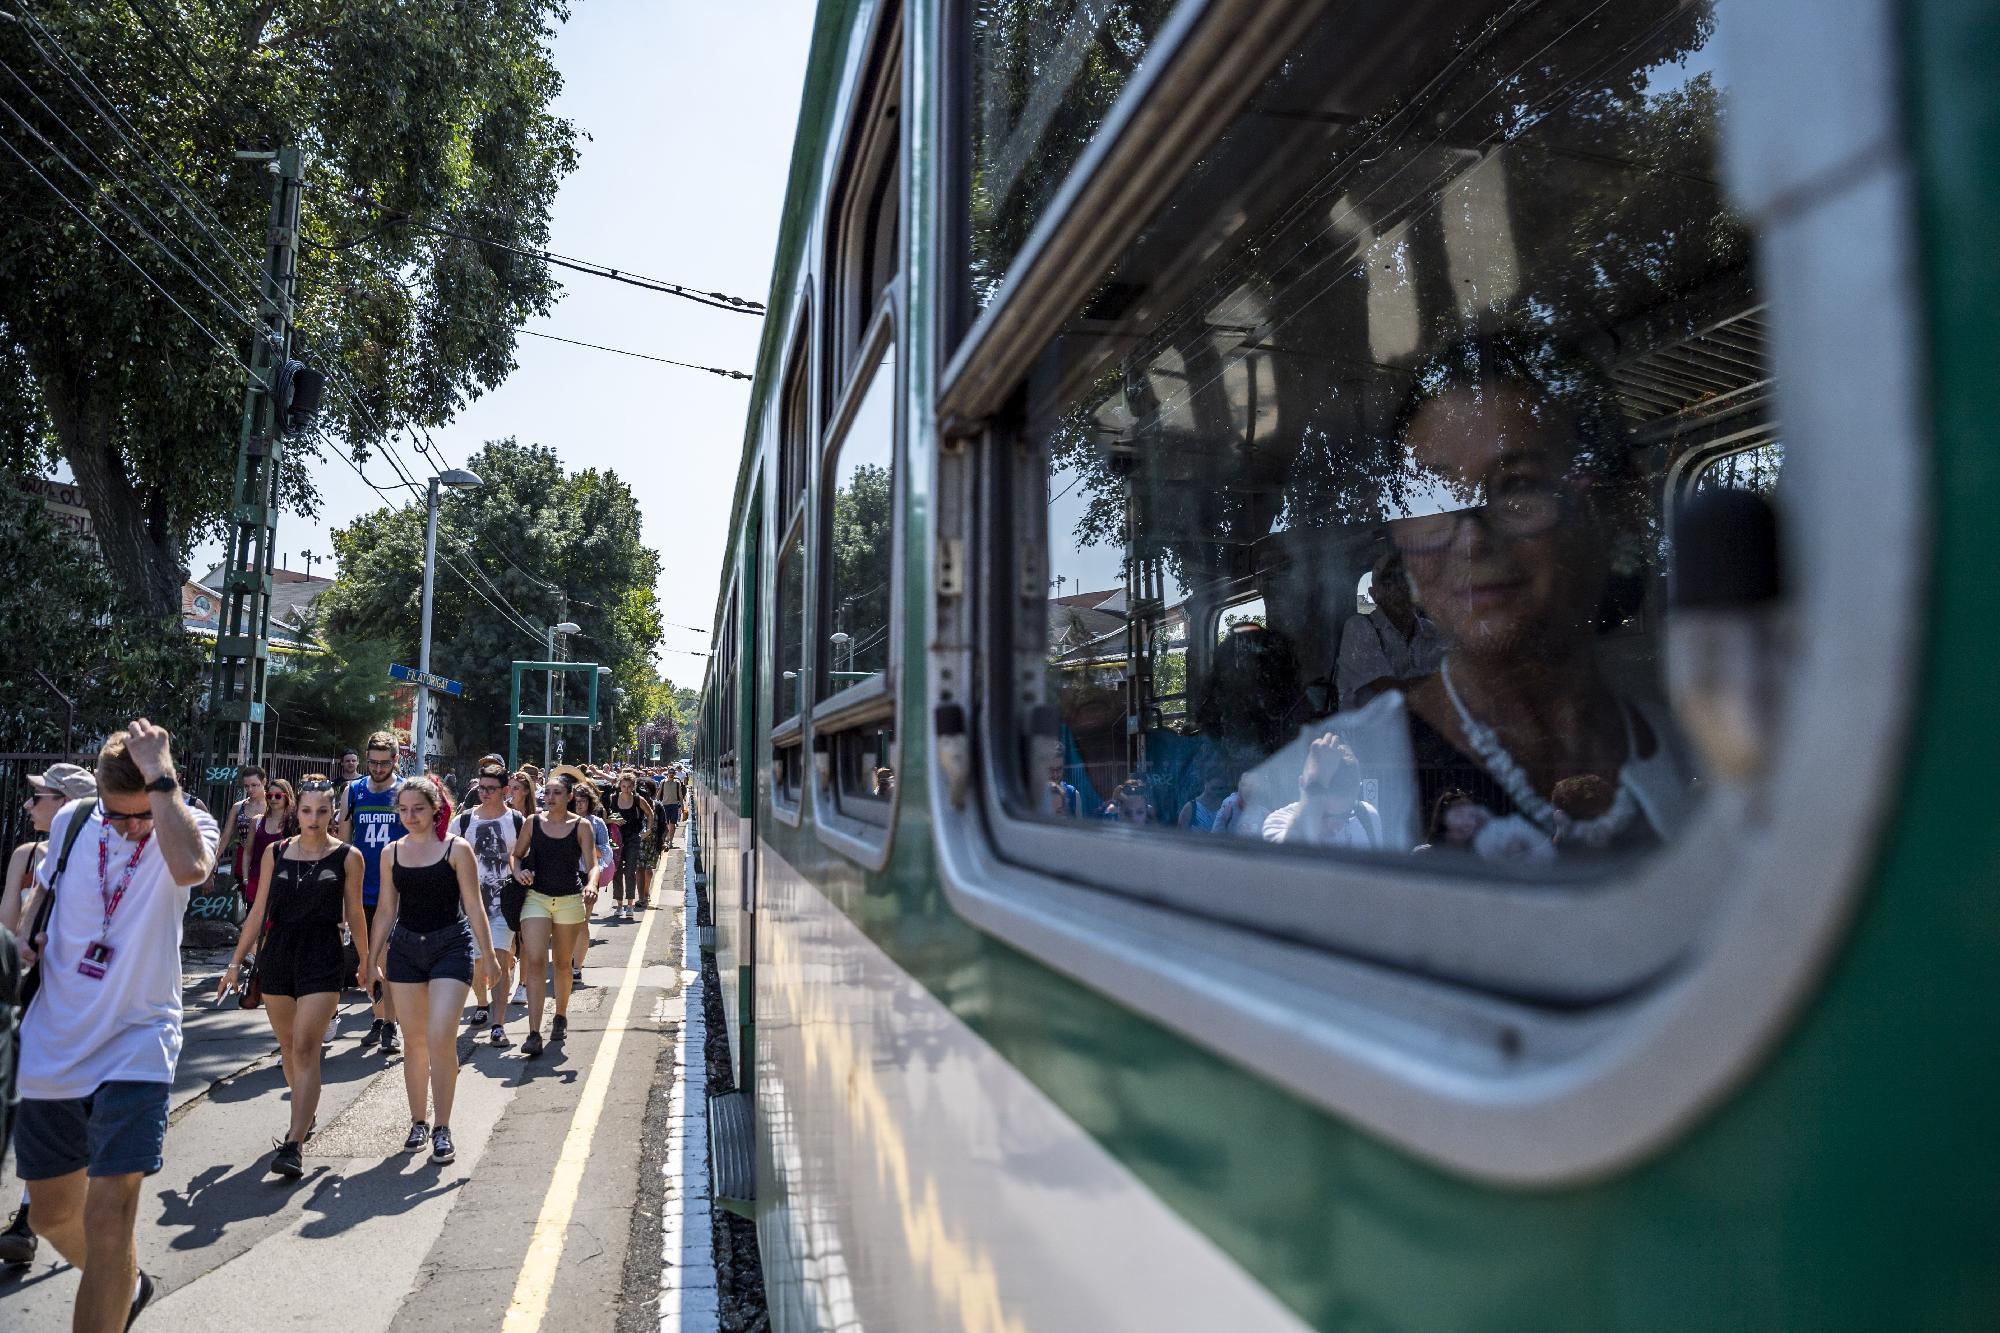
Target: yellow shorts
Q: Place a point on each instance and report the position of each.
(565, 909)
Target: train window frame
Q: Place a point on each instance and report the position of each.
(1480, 1082)
(869, 172)
(862, 834)
(796, 438)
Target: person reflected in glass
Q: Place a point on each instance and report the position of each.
(1390, 645)
(1455, 821)
(1204, 808)
(1329, 811)
(1061, 797)
(1129, 803)
(1519, 489)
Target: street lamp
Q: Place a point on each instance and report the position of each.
(841, 638)
(590, 736)
(459, 478)
(549, 697)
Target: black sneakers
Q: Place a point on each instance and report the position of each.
(419, 1135)
(441, 1149)
(531, 1045)
(373, 1035)
(18, 1241)
(499, 1037)
(289, 1160)
(560, 1029)
(391, 1043)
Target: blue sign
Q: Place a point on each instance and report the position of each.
(444, 685)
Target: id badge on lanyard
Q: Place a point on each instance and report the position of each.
(96, 960)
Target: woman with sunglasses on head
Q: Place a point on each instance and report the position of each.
(556, 858)
(312, 883)
(430, 935)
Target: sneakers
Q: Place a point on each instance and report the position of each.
(520, 995)
(147, 1290)
(289, 1160)
(18, 1241)
(332, 1030)
(560, 1030)
(441, 1149)
(531, 1045)
(373, 1035)
(499, 1037)
(391, 1043)
(480, 1017)
(419, 1135)
(576, 973)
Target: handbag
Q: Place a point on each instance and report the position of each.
(45, 905)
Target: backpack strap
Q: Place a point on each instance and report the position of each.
(464, 821)
(79, 815)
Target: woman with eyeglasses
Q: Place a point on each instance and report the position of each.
(556, 858)
(279, 821)
(313, 883)
(1523, 527)
(430, 892)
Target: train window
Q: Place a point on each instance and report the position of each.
(865, 229)
(1442, 326)
(859, 506)
(788, 665)
(1044, 77)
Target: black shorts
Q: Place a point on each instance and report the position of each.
(302, 960)
(436, 955)
(673, 812)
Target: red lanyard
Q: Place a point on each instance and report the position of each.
(104, 889)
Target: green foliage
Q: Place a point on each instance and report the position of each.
(861, 541)
(529, 532)
(328, 699)
(64, 616)
(412, 117)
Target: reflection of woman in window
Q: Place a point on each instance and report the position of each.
(1517, 485)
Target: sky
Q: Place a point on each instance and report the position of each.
(689, 109)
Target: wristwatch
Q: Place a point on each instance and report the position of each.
(164, 782)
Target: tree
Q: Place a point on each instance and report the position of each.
(416, 120)
(548, 544)
(331, 698)
(66, 622)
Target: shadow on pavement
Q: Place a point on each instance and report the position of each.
(383, 1190)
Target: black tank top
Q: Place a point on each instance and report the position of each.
(427, 896)
(557, 862)
(308, 893)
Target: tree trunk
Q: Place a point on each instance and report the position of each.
(136, 539)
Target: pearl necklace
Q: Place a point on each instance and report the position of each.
(1598, 832)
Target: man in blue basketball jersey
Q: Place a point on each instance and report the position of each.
(368, 820)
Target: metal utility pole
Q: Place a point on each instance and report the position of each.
(549, 695)
(243, 628)
(450, 477)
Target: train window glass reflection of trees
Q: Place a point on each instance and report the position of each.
(1045, 74)
(1446, 317)
(860, 511)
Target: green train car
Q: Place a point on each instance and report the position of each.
(1354, 681)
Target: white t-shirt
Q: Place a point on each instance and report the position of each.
(81, 1033)
(491, 840)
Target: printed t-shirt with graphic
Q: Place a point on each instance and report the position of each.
(84, 1031)
(375, 824)
(491, 839)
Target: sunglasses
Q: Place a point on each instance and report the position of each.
(122, 819)
(39, 795)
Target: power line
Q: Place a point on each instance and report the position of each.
(643, 356)
(719, 300)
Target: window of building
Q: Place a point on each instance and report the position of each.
(1437, 328)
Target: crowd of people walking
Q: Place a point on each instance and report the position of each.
(354, 879)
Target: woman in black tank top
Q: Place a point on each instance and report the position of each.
(555, 856)
(430, 926)
(311, 883)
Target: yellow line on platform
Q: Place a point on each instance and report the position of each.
(538, 1270)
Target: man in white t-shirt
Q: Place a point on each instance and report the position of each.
(100, 1041)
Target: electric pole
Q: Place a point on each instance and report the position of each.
(243, 630)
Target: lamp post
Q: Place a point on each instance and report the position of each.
(590, 735)
(455, 477)
(549, 697)
(840, 638)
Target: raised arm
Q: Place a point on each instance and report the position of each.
(190, 854)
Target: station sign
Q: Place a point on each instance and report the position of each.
(412, 676)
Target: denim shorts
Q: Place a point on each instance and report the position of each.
(436, 955)
(117, 1130)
